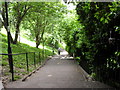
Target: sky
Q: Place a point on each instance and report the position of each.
(71, 6)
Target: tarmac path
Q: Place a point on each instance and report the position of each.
(58, 72)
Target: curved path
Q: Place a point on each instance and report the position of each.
(58, 72)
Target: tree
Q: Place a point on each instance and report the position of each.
(40, 18)
(19, 11)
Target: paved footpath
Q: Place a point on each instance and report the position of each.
(58, 72)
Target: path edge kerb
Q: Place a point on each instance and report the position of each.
(85, 74)
(25, 77)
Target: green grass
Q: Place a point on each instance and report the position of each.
(20, 60)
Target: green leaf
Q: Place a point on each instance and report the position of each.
(102, 19)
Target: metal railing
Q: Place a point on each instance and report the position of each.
(39, 56)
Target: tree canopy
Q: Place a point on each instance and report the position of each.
(91, 32)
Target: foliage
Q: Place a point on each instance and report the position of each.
(96, 49)
(38, 21)
(92, 36)
(35, 19)
(90, 39)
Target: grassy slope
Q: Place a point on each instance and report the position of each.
(20, 60)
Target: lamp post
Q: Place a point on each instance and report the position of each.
(9, 47)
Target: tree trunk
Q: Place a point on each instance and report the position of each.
(37, 45)
(4, 21)
(11, 39)
(37, 40)
(16, 34)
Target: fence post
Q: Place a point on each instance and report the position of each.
(34, 60)
(45, 53)
(27, 62)
(39, 58)
(43, 50)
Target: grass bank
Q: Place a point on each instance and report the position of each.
(19, 61)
